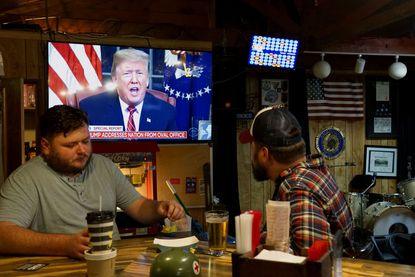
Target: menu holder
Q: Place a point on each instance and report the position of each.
(244, 265)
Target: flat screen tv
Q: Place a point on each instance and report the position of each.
(179, 82)
(275, 52)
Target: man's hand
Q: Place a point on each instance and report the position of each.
(76, 244)
(18, 240)
(170, 209)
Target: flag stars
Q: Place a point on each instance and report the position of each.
(172, 91)
(166, 87)
(207, 89)
(187, 95)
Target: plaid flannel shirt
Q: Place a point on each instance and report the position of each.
(318, 207)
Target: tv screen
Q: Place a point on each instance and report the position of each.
(167, 99)
(273, 52)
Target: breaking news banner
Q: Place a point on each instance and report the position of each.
(138, 135)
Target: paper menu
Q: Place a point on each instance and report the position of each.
(278, 225)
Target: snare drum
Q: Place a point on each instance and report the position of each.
(407, 189)
(357, 203)
(384, 218)
(395, 198)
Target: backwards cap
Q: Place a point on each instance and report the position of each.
(273, 126)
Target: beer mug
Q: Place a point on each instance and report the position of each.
(217, 226)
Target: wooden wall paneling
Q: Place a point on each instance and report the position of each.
(35, 56)
(244, 176)
(14, 58)
(338, 163)
(357, 131)
(354, 132)
(13, 149)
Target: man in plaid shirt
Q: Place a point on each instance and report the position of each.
(278, 151)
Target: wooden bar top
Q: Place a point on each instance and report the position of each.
(136, 255)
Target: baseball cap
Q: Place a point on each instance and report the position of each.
(273, 126)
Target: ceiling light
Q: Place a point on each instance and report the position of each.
(397, 70)
(321, 69)
(360, 65)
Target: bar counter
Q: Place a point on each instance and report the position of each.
(136, 255)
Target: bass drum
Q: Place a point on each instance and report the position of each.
(384, 218)
(407, 189)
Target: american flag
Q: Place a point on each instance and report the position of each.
(335, 99)
(72, 67)
(190, 82)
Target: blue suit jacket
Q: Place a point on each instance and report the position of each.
(105, 109)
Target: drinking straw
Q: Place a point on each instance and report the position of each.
(100, 202)
(173, 190)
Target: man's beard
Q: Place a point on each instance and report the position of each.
(260, 173)
(62, 166)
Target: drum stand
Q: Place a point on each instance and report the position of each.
(362, 243)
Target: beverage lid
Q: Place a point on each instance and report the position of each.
(100, 256)
(99, 216)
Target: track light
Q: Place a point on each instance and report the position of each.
(321, 69)
(397, 70)
(360, 65)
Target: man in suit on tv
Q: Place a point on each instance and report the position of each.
(131, 106)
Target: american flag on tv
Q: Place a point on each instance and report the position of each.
(72, 67)
(188, 78)
(335, 99)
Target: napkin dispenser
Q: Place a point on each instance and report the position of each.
(244, 265)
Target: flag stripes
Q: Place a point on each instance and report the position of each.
(335, 99)
(72, 67)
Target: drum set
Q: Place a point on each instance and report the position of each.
(386, 215)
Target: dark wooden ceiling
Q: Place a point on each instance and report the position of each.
(337, 25)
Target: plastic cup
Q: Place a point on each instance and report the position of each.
(100, 264)
(100, 228)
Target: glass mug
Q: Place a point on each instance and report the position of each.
(217, 222)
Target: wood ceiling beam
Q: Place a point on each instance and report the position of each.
(378, 45)
(366, 9)
(277, 16)
(156, 12)
(394, 13)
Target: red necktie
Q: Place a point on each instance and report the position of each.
(131, 125)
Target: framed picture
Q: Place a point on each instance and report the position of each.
(29, 94)
(381, 160)
(381, 107)
(274, 92)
